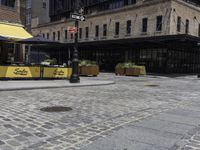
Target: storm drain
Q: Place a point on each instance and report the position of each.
(152, 85)
(56, 109)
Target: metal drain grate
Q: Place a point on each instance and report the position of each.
(56, 109)
(152, 85)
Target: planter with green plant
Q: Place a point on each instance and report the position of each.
(129, 69)
(120, 69)
(88, 68)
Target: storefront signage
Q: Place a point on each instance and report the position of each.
(19, 72)
(50, 72)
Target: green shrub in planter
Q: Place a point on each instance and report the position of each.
(51, 61)
(88, 68)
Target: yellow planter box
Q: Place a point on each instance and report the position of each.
(56, 72)
(17, 72)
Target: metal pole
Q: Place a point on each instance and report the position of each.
(75, 70)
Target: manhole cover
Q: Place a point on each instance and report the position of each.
(56, 109)
(152, 85)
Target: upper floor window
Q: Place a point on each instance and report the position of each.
(80, 33)
(28, 4)
(117, 28)
(199, 31)
(178, 26)
(86, 32)
(8, 3)
(58, 35)
(128, 27)
(66, 34)
(44, 4)
(47, 35)
(97, 31)
(159, 23)
(129, 2)
(54, 35)
(72, 36)
(144, 24)
(105, 30)
(187, 26)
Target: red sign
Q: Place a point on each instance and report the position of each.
(72, 29)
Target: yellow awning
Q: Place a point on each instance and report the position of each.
(13, 31)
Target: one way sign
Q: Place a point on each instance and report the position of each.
(78, 17)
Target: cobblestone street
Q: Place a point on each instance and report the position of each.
(132, 105)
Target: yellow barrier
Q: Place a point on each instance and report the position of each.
(51, 72)
(19, 72)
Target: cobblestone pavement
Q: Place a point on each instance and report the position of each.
(97, 111)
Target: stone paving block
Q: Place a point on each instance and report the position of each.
(165, 126)
(4, 136)
(13, 143)
(179, 119)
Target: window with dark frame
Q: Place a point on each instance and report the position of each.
(58, 35)
(178, 24)
(97, 31)
(199, 31)
(44, 4)
(54, 36)
(128, 27)
(159, 23)
(80, 33)
(105, 30)
(66, 32)
(8, 3)
(86, 32)
(144, 24)
(117, 28)
(47, 35)
(72, 36)
(187, 26)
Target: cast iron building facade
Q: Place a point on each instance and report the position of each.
(163, 35)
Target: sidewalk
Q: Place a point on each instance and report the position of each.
(45, 84)
(171, 130)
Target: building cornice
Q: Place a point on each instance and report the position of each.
(127, 8)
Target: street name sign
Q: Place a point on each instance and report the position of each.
(78, 17)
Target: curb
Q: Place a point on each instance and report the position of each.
(52, 87)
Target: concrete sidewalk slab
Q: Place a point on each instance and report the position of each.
(12, 85)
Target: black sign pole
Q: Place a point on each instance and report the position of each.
(75, 62)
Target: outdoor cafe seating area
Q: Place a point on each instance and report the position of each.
(15, 39)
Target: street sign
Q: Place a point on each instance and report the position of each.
(78, 17)
(72, 29)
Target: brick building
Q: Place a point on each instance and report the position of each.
(12, 24)
(163, 35)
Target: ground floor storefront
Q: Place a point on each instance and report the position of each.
(164, 54)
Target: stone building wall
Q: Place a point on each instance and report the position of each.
(185, 11)
(169, 9)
